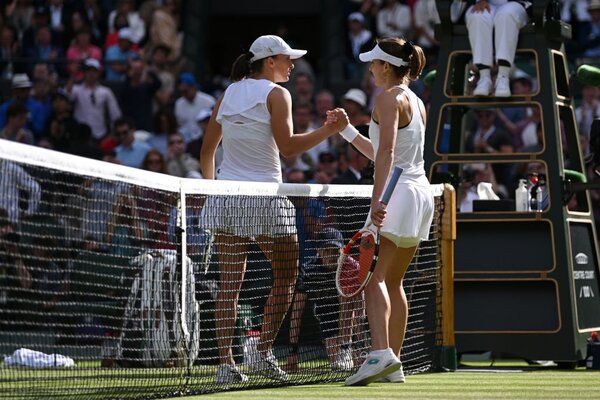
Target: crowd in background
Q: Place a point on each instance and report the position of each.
(106, 79)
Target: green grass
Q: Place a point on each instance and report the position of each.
(500, 381)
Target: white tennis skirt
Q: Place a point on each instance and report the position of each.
(409, 213)
(249, 216)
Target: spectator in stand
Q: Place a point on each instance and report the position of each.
(15, 130)
(159, 61)
(303, 88)
(180, 163)
(357, 163)
(19, 15)
(188, 105)
(41, 70)
(590, 34)
(355, 102)
(394, 20)
(130, 151)
(95, 19)
(588, 110)
(324, 100)
(80, 50)
(359, 37)
(61, 129)
(41, 18)
(164, 29)
(10, 52)
(94, 104)
(17, 186)
(137, 93)
(59, 19)
(137, 25)
(118, 56)
(44, 50)
(119, 23)
(426, 17)
(39, 106)
(164, 123)
(20, 90)
(487, 138)
(124, 230)
(303, 117)
(326, 169)
(494, 25)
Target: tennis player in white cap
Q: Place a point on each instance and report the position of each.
(253, 118)
(396, 138)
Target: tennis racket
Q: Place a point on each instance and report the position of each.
(359, 256)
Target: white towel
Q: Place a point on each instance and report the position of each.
(37, 359)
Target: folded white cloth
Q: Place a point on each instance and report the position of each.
(37, 359)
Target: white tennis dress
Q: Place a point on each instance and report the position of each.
(249, 154)
(410, 210)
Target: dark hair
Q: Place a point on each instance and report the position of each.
(154, 153)
(407, 51)
(170, 119)
(243, 67)
(125, 121)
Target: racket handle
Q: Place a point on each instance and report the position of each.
(387, 194)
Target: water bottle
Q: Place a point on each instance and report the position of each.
(522, 196)
(251, 356)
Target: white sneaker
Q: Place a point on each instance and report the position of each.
(374, 367)
(343, 361)
(483, 87)
(502, 86)
(230, 374)
(267, 366)
(395, 377)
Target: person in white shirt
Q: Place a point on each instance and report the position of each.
(13, 180)
(394, 20)
(396, 138)
(253, 118)
(187, 107)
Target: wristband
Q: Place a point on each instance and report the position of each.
(349, 133)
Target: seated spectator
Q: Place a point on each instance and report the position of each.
(164, 29)
(426, 17)
(93, 104)
(180, 163)
(79, 51)
(188, 105)
(124, 231)
(44, 50)
(359, 38)
(129, 151)
(159, 61)
(10, 53)
(357, 163)
(41, 18)
(15, 129)
(394, 19)
(303, 117)
(20, 91)
(164, 123)
(39, 107)
(18, 187)
(494, 25)
(154, 161)
(60, 20)
(119, 55)
(588, 110)
(302, 88)
(590, 34)
(135, 23)
(112, 37)
(355, 102)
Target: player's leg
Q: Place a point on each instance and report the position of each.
(232, 252)
(298, 305)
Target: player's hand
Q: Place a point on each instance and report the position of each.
(337, 118)
(480, 6)
(378, 213)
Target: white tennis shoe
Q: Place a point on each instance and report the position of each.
(394, 377)
(267, 366)
(230, 374)
(377, 365)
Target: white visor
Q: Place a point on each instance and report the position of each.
(378, 54)
(271, 45)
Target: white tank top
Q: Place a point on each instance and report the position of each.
(249, 149)
(410, 141)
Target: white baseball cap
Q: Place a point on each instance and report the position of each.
(271, 45)
(357, 96)
(127, 34)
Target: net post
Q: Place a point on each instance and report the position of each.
(447, 356)
(182, 260)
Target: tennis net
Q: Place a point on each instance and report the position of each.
(110, 281)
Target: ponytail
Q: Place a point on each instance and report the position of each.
(242, 67)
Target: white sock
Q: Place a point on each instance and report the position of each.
(503, 71)
(379, 353)
(484, 73)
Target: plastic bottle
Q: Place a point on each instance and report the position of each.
(522, 196)
(251, 356)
